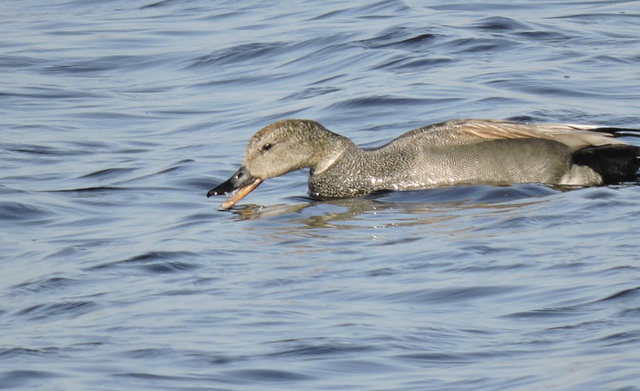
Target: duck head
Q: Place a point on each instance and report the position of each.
(276, 150)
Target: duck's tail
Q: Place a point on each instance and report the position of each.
(617, 132)
(615, 162)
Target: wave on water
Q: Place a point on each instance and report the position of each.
(117, 272)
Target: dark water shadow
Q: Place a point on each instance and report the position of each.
(417, 202)
(414, 207)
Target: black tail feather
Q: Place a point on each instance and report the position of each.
(614, 162)
(618, 132)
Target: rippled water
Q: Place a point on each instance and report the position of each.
(118, 274)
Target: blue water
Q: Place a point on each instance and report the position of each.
(117, 273)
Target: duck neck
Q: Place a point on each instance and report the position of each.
(355, 172)
(331, 149)
(346, 171)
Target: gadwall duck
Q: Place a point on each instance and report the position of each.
(444, 154)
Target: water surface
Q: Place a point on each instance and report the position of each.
(118, 274)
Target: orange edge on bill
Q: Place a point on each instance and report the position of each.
(239, 194)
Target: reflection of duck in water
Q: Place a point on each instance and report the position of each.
(444, 154)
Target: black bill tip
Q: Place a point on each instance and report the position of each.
(237, 187)
(238, 179)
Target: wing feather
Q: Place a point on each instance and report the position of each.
(472, 131)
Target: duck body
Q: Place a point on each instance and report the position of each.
(421, 166)
(444, 154)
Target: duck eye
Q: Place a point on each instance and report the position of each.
(266, 147)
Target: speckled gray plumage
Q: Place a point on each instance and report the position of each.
(418, 167)
(448, 153)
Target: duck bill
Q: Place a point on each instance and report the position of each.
(240, 193)
(236, 188)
